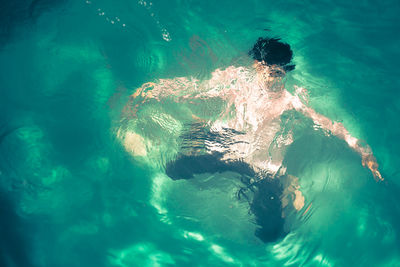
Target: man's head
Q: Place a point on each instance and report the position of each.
(272, 52)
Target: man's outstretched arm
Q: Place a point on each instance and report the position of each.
(337, 129)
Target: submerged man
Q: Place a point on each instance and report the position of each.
(235, 123)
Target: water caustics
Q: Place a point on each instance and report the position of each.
(220, 162)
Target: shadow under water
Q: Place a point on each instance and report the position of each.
(263, 193)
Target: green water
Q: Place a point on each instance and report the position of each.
(72, 196)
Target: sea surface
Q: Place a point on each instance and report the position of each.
(71, 195)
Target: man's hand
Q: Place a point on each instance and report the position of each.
(369, 161)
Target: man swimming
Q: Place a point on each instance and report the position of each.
(231, 122)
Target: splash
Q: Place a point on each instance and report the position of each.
(148, 6)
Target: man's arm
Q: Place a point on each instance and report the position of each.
(337, 129)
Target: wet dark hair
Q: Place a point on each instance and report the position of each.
(271, 51)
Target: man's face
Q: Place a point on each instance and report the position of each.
(270, 77)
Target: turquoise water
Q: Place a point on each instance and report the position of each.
(72, 196)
